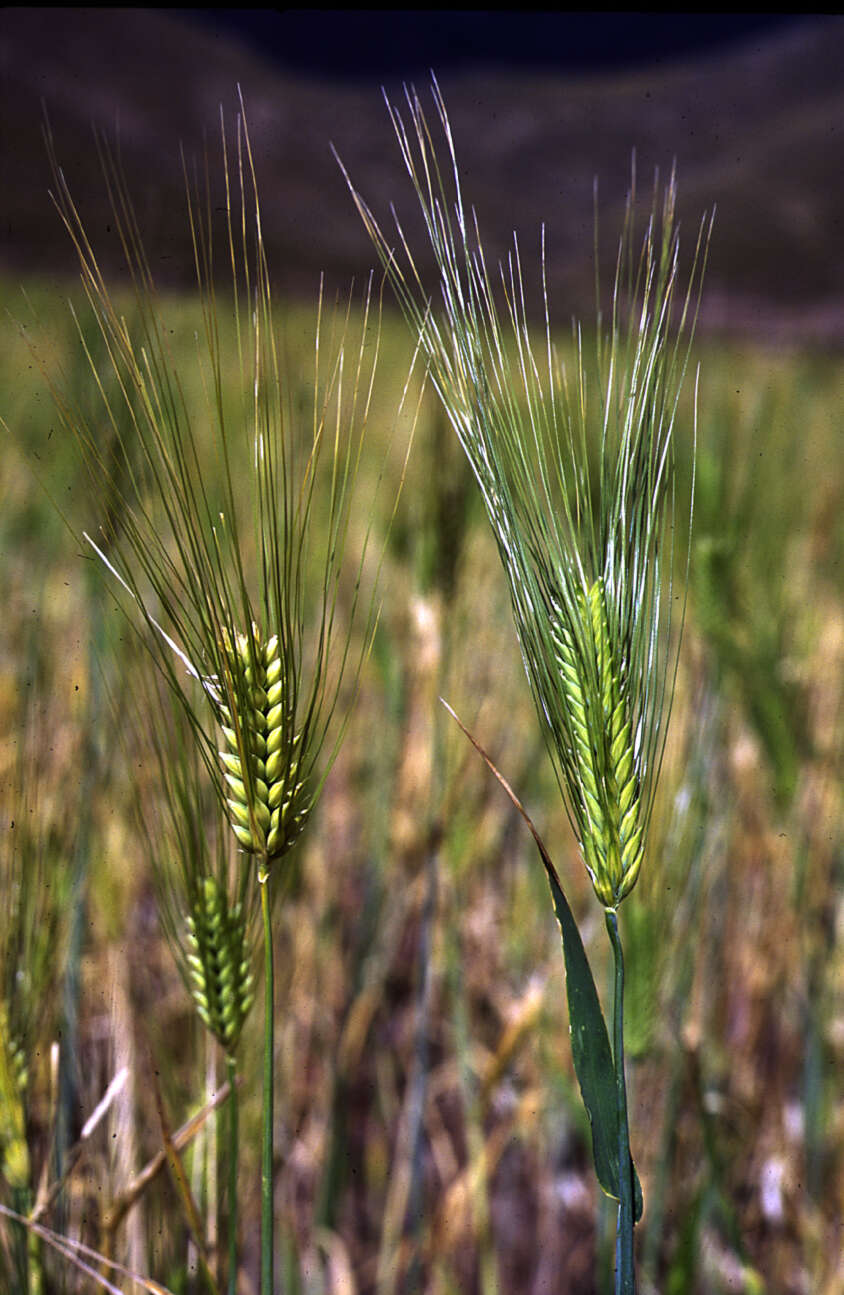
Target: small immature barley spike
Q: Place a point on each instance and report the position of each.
(268, 802)
(608, 803)
(218, 962)
(14, 1059)
(14, 1153)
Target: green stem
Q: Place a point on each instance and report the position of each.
(267, 1148)
(625, 1271)
(25, 1258)
(231, 1074)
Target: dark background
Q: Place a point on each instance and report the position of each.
(750, 108)
(364, 45)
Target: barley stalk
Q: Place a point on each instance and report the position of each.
(206, 897)
(587, 553)
(268, 646)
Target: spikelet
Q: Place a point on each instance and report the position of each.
(268, 801)
(221, 981)
(607, 792)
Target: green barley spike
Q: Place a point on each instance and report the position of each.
(267, 800)
(220, 979)
(608, 800)
(576, 471)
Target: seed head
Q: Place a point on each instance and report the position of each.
(217, 958)
(234, 514)
(267, 800)
(587, 551)
(605, 787)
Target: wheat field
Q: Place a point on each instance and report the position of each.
(428, 1131)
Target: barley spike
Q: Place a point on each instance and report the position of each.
(220, 979)
(268, 801)
(608, 800)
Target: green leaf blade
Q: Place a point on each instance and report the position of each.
(593, 1059)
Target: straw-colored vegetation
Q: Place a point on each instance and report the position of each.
(428, 1131)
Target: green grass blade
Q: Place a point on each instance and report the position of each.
(590, 1045)
(593, 1058)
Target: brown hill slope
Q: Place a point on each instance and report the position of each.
(757, 130)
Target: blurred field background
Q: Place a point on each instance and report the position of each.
(429, 1129)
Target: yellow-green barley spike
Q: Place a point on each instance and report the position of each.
(268, 802)
(220, 979)
(606, 793)
(14, 1150)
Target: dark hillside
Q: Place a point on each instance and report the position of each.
(757, 130)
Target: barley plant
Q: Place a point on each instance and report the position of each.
(208, 904)
(235, 559)
(588, 547)
(432, 1134)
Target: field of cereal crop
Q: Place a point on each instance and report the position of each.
(428, 1131)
